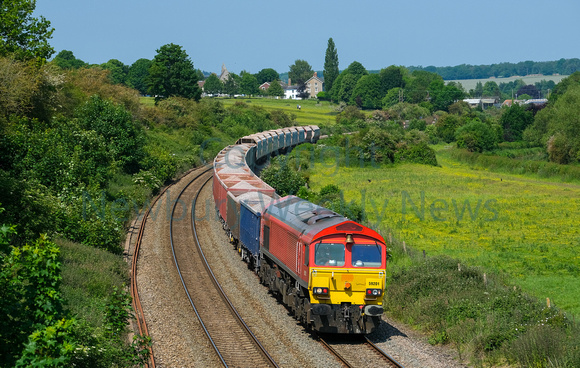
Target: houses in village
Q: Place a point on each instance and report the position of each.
(313, 86)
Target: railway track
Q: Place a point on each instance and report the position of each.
(230, 337)
(358, 351)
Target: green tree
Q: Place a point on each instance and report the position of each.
(514, 120)
(232, 84)
(391, 98)
(557, 127)
(367, 92)
(138, 75)
(299, 73)
(446, 126)
(478, 91)
(248, 84)
(356, 69)
(267, 75)
(118, 71)
(21, 34)
(491, 89)
(275, 89)
(417, 89)
(66, 60)
(282, 177)
(172, 74)
(476, 137)
(213, 85)
(392, 77)
(442, 96)
(330, 65)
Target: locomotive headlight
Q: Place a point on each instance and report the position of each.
(320, 291)
(374, 292)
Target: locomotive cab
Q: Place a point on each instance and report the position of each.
(347, 279)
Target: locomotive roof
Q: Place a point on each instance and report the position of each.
(304, 216)
(311, 221)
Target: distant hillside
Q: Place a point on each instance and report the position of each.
(504, 70)
(501, 70)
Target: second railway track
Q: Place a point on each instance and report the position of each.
(231, 338)
(358, 351)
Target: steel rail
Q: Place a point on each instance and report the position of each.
(213, 278)
(136, 301)
(383, 353)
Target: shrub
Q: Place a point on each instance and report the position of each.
(476, 137)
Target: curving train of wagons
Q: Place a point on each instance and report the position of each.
(328, 270)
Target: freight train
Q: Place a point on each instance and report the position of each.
(329, 271)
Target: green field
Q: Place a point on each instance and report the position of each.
(522, 226)
(311, 112)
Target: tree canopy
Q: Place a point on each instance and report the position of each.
(172, 74)
(299, 73)
(138, 75)
(21, 34)
(66, 60)
(267, 75)
(213, 85)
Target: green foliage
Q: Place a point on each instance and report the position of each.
(29, 286)
(417, 85)
(66, 60)
(213, 85)
(299, 73)
(446, 126)
(138, 75)
(267, 75)
(232, 85)
(458, 304)
(350, 116)
(392, 77)
(249, 84)
(280, 176)
(419, 153)
(514, 120)
(418, 124)
(407, 111)
(117, 71)
(122, 135)
(172, 74)
(476, 136)
(557, 127)
(391, 98)
(367, 92)
(330, 65)
(561, 88)
(51, 346)
(22, 35)
(444, 95)
(275, 89)
(491, 89)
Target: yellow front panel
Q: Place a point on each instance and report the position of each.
(346, 284)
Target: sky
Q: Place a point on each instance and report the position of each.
(255, 34)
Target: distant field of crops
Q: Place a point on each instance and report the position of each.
(523, 226)
(530, 79)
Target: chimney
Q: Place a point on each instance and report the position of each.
(315, 75)
(289, 82)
